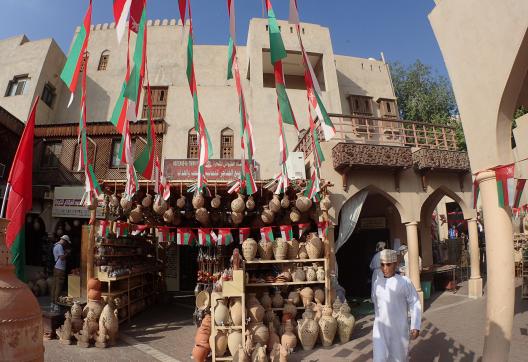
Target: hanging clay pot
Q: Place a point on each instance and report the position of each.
(126, 204)
(180, 203)
(136, 215)
(295, 215)
(267, 215)
(299, 275)
(249, 249)
(345, 323)
(254, 308)
(237, 218)
(280, 249)
(250, 203)
(327, 327)
(308, 330)
(319, 295)
(288, 339)
(307, 296)
(220, 343)
(277, 301)
(321, 274)
(303, 254)
(265, 249)
(234, 339)
(238, 204)
(314, 246)
(202, 216)
(168, 216)
(235, 311)
(295, 297)
(147, 201)
(285, 202)
(160, 205)
(198, 201)
(114, 201)
(325, 203)
(216, 202)
(275, 204)
(293, 249)
(311, 274)
(265, 300)
(260, 333)
(221, 313)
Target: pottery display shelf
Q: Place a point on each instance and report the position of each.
(230, 289)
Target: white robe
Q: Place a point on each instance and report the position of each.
(393, 299)
(375, 266)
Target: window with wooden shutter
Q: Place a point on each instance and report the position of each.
(388, 108)
(227, 143)
(159, 102)
(192, 144)
(103, 61)
(17, 86)
(360, 105)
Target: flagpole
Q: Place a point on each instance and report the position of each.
(4, 201)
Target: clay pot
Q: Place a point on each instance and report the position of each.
(255, 310)
(303, 254)
(201, 340)
(314, 246)
(265, 300)
(295, 215)
(249, 249)
(265, 249)
(308, 330)
(235, 311)
(327, 327)
(220, 344)
(234, 339)
(216, 202)
(136, 215)
(168, 216)
(94, 283)
(277, 301)
(311, 274)
(267, 215)
(325, 203)
(260, 333)
(299, 275)
(273, 337)
(250, 203)
(126, 204)
(293, 249)
(237, 217)
(275, 204)
(336, 307)
(285, 202)
(202, 216)
(289, 308)
(280, 249)
(321, 274)
(319, 295)
(295, 297)
(221, 313)
(307, 296)
(94, 294)
(114, 201)
(200, 353)
(303, 203)
(238, 204)
(198, 201)
(147, 201)
(345, 323)
(288, 339)
(160, 205)
(94, 306)
(180, 203)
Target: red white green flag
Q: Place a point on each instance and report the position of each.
(185, 236)
(121, 228)
(206, 237)
(163, 234)
(286, 232)
(266, 233)
(19, 194)
(505, 184)
(303, 228)
(519, 188)
(70, 72)
(224, 236)
(322, 229)
(243, 234)
(104, 228)
(121, 11)
(144, 164)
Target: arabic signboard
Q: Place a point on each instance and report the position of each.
(215, 170)
(369, 223)
(67, 200)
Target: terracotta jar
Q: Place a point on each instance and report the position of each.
(319, 295)
(235, 311)
(303, 203)
(314, 246)
(327, 327)
(76, 313)
(254, 308)
(249, 249)
(108, 321)
(311, 274)
(285, 202)
(220, 343)
(241, 355)
(221, 313)
(160, 205)
(238, 204)
(216, 202)
(265, 249)
(201, 348)
(168, 216)
(299, 275)
(280, 249)
(293, 249)
(277, 301)
(345, 323)
(269, 316)
(295, 297)
(198, 201)
(273, 337)
(147, 201)
(126, 204)
(308, 330)
(237, 218)
(307, 296)
(267, 215)
(303, 254)
(289, 308)
(136, 215)
(295, 215)
(180, 203)
(265, 300)
(94, 294)
(234, 339)
(260, 333)
(288, 339)
(336, 308)
(202, 216)
(275, 204)
(321, 276)
(94, 283)
(250, 203)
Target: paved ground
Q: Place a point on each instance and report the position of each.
(453, 328)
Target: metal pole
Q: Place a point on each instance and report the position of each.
(4, 201)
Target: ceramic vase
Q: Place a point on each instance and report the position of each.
(76, 313)
(289, 308)
(285, 202)
(308, 330)
(321, 274)
(265, 300)
(295, 297)
(250, 203)
(275, 204)
(180, 203)
(265, 249)
(267, 215)
(221, 313)
(202, 216)
(293, 249)
(249, 249)
(198, 201)
(303, 203)
(260, 333)
(160, 205)
(314, 246)
(307, 296)
(327, 327)
(254, 308)
(299, 275)
(288, 339)
(336, 307)
(216, 202)
(238, 204)
(302, 251)
(280, 249)
(201, 340)
(311, 274)
(94, 283)
(277, 301)
(345, 323)
(234, 339)
(325, 203)
(237, 218)
(220, 344)
(319, 295)
(295, 215)
(95, 306)
(235, 311)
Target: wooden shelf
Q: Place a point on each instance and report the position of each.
(102, 276)
(281, 309)
(115, 255)
(119, 245)
(228, 327)
(113, 293)
(224, 358)
(282, 284)
(283, 261)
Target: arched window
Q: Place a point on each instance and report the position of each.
(192, 144)
(103, 61)
(227, 143)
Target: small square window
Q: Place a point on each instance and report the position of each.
(48, 94)
(17, 86)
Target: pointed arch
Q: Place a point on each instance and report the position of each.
(227, 143)
(192, 143)
(103, 60)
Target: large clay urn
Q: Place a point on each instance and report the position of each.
(220, 344)
(234, 339)
(288, 339)
(280, 249)
(20, 315)
(345, 323)
(327, 327)
(221, 313)
(249, 249)
(260, 333)
(308, 330)
(201, 340)
(314, 246)
(108, 321)
(235, 310)
(293, 249)
(265, 249)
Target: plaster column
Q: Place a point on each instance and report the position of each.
(413, 268)
(500, 279)
(475, 281)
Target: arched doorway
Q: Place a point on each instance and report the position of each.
(379, 220)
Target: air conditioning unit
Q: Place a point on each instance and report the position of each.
(295, 166)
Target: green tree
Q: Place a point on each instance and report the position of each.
(426, 97)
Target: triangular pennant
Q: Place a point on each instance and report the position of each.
(185, 236)
(224, 236)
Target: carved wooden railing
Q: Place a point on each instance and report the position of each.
(385, 131)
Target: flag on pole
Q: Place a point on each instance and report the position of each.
(224, 236)
(206, 237)
(243, 234)
(286, 232)
(20, 197)
(266, 233)
(185, 236)
(505, 184)
(70, 72)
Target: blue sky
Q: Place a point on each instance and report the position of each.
(361, 28)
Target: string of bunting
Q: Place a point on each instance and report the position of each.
(509, 188)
